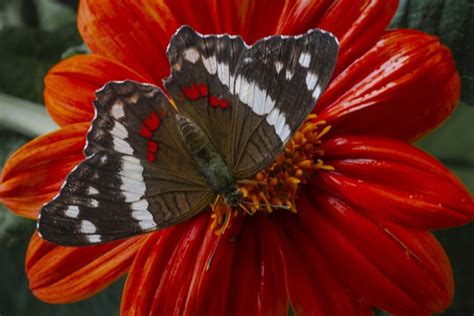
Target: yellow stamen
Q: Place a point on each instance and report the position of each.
(278, 185)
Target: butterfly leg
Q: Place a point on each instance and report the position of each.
(222, 214)
(252, 182)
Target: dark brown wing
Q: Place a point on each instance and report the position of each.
(249, 100)
(138, 175)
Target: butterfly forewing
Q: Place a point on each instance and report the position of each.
(279, 80)
(138, 175)
(249, 99)
(203, 69)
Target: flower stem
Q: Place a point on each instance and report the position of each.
(24, 116)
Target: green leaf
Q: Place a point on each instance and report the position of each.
(53, 15)
(453, 22)
(27, 54)
(76, 50)
(453, 144)
(12, 228)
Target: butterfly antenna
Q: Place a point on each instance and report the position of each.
(282, 207)
(224, 227)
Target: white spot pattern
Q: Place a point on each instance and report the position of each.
(305, 59)
(210, 64)
(191, 55)
(93, 191)
(278, 66)
(142, 215)
(317, 92)
(87, 227)
(311, 80)
(133, 189)
(117, 110)
(72, 211)
(94, 238)
(122, 146)
(93, 203)
(262, 104)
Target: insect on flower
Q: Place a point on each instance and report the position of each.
(327, 203)
(150, 165)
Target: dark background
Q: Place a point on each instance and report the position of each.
(35, 34)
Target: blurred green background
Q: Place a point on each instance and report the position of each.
(35, 34)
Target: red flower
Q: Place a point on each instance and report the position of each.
(360, 237)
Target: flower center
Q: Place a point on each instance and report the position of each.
(276, 187)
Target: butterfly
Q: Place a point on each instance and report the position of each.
(154, 160)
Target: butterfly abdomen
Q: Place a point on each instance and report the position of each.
(210, 162)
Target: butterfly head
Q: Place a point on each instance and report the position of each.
(233, 196)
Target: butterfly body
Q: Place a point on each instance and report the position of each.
(210, 162)
(156, 159)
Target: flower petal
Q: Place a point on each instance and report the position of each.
(160, 270)
(208, 293)
(399, 270)
(258, 18)
(244, 283)
(312, 286)
(69, 274)
(146, 271)
(405, 86)
(175, 269)
(71, 84)
(134, 34)
(393, 180)
(35, 172)
(358, 25)
(272, 294)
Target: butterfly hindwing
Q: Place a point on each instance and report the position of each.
(138, 175)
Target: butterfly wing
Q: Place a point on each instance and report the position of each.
(278, 82)
(249, 99)
(138, 175)
(202, 72)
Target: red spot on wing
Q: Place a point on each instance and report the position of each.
(145, 132)
(192, 93)
(203, 90)
(223, 103)
(213, 101)
(152, 146)
(151, 157)
(153, 122)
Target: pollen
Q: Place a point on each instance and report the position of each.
(277, 186)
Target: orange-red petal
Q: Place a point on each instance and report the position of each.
(69, 274)
(35, 172)
(132, 33)
(393, 180)
(163, 269)
(312, 285)
(399, 270)
(358, 25)
(71, 84)
(405, 86)
(171, 268)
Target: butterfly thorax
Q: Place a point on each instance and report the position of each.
(209, 161)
